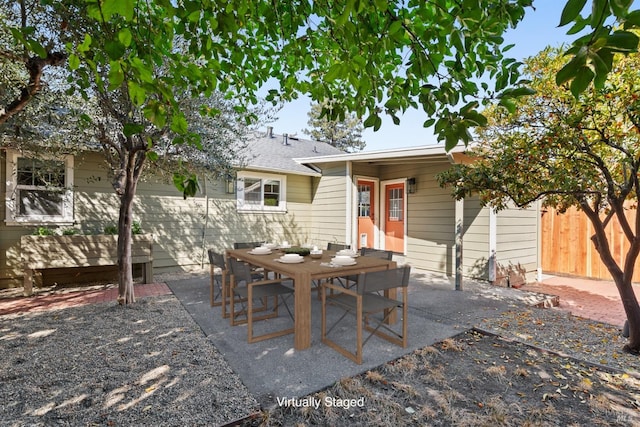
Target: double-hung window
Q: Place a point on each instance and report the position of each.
(39, 191)
(261, 192)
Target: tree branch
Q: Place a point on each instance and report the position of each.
(35, 66)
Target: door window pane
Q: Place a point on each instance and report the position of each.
(364, 200)
(396, 204)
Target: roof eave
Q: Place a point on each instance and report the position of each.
(382, 154)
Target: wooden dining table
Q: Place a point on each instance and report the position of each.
(302, 275)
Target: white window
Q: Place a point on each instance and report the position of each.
(261, 192)
(39, 191)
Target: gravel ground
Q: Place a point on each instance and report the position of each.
(558, 331)
(150, 364)
(103, 364)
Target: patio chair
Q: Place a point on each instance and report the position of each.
(219, 292)
(368, 305)
(349, 281)
(330, 247)
(250, 245)
(253, 290)
(337, 246)
(218, 282)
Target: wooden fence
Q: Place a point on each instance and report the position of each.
(567, 247)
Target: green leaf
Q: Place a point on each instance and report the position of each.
(125, 37)
(578, 26)
(568, 72)
(114, 49)
(74, 62)
(620, 7)
(571, 11)
(370, 121)
(130, 129)
(581, 81)
(137, 93)
(508, 104)
(428, 123)
(152, 156)
(116, 75)
(123, 8)
(523, 91)
(334, 72)
(179, 124)
(37, 48)
(188, 185)
(599, 11)
(623, 41)
(632, 20)
(86, 44)
(156, 114)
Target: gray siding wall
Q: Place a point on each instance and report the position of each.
(476, 239)
(182, 229)
(517, 244)
(329, 207)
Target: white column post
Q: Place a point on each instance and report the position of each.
(493, 244)
(459, 238)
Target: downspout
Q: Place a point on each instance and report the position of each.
(203, 255)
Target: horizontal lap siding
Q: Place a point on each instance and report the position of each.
(182, 229)
(475, 254)
(329, 207)
(517, 243)
(430, 218)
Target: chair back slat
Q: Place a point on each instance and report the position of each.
(216, 259)
(337, 246)
(240, 270)
(383, 280)
(246, 245)
(377, 253)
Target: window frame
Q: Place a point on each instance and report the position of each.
(243, 206)
(12, 215)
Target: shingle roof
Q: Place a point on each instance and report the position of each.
(273, 152)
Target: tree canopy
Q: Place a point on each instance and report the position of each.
(567, 151)
(447, 58)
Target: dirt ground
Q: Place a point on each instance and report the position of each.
(473, 379)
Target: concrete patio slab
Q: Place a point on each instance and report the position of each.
(273, 369)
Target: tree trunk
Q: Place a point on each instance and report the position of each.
(621, 277)
(129, 184)
(632, 310)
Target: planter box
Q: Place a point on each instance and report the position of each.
(42, 252)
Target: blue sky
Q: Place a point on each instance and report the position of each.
(538, 30)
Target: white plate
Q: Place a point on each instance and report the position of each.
(290, 261)
(253, 252)
(352, 262)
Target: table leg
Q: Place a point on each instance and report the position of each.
(302, 309)
(393, 294)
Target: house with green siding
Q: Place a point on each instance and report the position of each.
(305, 192)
